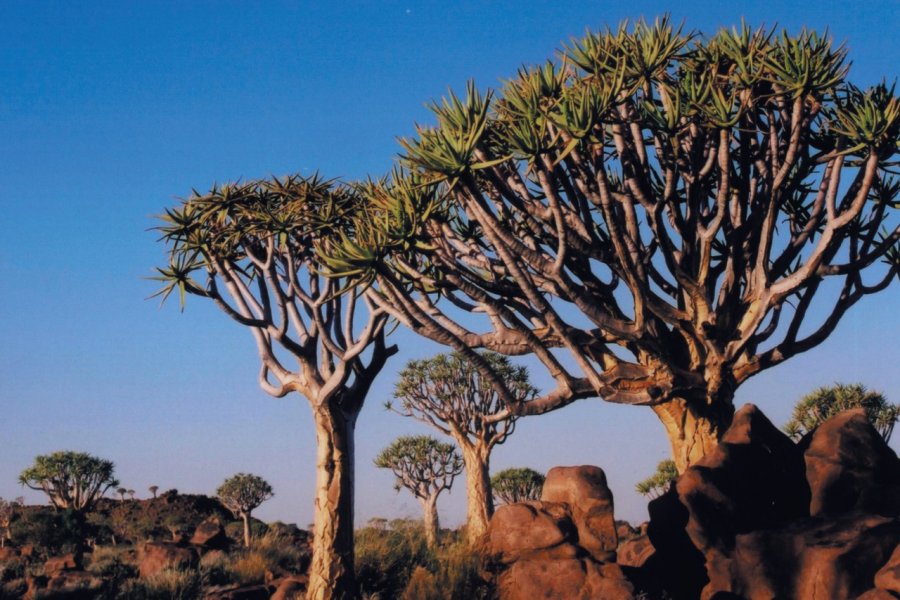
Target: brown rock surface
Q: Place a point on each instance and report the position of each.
(211, 534)
(635, 552)
(576, 579)
(584, 490)
(850, 467)
(888, 577)
(156, 556)
(521, 530)
(290, 588)
(8, 552)
(58, 564)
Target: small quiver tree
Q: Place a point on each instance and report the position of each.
(252, 249)
(242, 494)
(825, 402)
(8, 510)
(664, 207)
(71, 480)
(153, 489)
(426, 467)
(449, 393)
(658, 483)
(517, 485)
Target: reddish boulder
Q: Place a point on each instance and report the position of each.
(584, 491)
(850, 467)
(635, 552)
(211, 534)
(888, 577)
(153, 557)
(8, 553)
(810, 558)
(522, 530)
(291, 588)
(576, 579)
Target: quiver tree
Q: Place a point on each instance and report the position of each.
(8, 510)
(663, 207)
(425, 467)
(825, 402)
(153, 489)
(250, 248)
(71, 480)
(121, 492)
(242, 494)
(658, 483)
(450, 394)
(517, 485)
(131, 494)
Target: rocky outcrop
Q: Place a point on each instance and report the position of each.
(153, 557)
(562, 546)
(762, 517)
(210, 534)
(635, 552)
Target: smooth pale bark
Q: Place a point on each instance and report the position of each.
(331, 571)
(694, 428)
(246, 517)
(432, 524)
(479, 501)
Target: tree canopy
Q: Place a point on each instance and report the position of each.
(825, 402)
(664, 206)
(70, 479)
(658, 483)
(517, 485)
(243, 493)
(421, 464)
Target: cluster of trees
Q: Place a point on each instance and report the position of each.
(660, 207)
(76, 481)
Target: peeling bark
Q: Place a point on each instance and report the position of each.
(331, 572)
(479, 502)
(694, 429)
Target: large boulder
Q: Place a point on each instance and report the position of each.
(290, 588)
(524, 530)
(811, 558)
(573, 578)
(635, 552)
(584, 491)
(211, 534)
(153, 557)
(57, 564)
(849, 467)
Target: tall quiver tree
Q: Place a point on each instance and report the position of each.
(71, 480)
(251, 249)
(450, 394)
(426, 467)
(242, 494)
(665, 207)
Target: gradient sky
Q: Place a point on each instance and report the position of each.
(109, 111)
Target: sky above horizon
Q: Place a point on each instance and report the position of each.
(110, 111)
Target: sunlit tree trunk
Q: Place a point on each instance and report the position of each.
(432, 524)
(246, 517)
(479, 503)
(694, 428)
(331, 571)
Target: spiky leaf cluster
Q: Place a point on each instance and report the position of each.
(658, 483)
(70, 479)
(421, 464)
(517, 485)
(825, 402)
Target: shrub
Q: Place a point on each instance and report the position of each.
(422, 586)
(168, 584)
(248, 568)
(214, 568)
(282, 553)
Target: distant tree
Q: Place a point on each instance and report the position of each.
(72, 480)
(121, 492)
(658, 483)
(426, 467)
(450, 394)
(241, 494)
(153, 489)
(517, 485)
(825, 402)
(7, 512)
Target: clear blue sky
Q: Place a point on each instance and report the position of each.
(110, 110)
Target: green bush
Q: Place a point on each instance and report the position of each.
(168, 584)
(50, 532)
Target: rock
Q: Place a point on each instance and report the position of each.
(877, 594)
(810, 558)
(156, 556)
(251, 592)
(754, 479)
(57, 564)
(67, 585)
(888, 577)
(635, 552)
(624, 531)
(850, 467)
(581, 579)
(8, 553)
(211, 534)
(524, 529)
(583, 489)
(676, 567)
(290, 588)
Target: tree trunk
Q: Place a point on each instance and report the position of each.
(694, 428)
(479, 503)
(246, 517)
(331, 571)
(432, 524)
